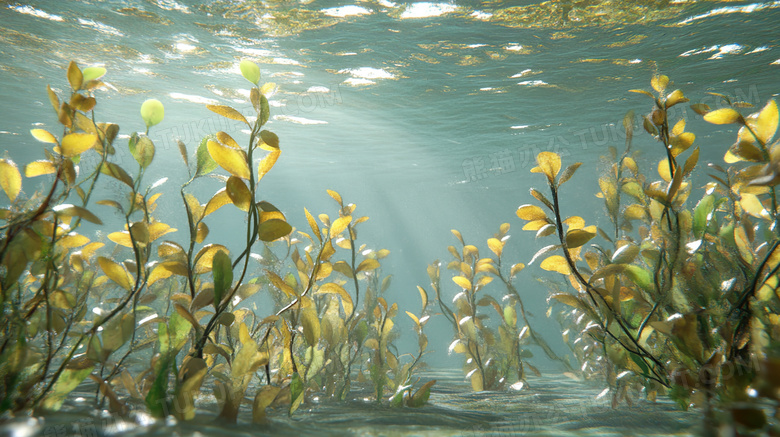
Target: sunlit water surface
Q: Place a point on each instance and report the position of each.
(426, 115)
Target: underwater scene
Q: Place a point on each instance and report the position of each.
(369, 217)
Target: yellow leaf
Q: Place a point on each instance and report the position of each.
(267, 163)
(205, 257)
(535, 225)
(116, 273)
(313, 224)
(121, 238)
(752, 205)
(10, 178)
(227, 140)
(158, 229)
(339, 225)
(568, 299)
(230, 159)
(38, 168)
(228, 112)
(217, 201)
(158, 272)
(659, 83)
(336, 196)
(77, 143)
(722, 116)
(367, 264)
(496, 246)
(549, 163)
(273, 229)
(202, 232)
(75, 76)
(674, 98)
(311, 326)
(663, 170)
(423, 296)
(531, 212)
(462, 282)
(578, 237)
(238, 193)
(516, 268)
(766, 122)
(556, 263)
(346, 299)
(43, 136)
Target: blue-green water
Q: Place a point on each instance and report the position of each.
(427, 116)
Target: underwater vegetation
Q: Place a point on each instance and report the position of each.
(673, 297)
(156, 323)
(676, 297)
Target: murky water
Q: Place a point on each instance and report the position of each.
(426, 115)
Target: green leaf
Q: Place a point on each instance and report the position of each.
(152, 112)
(641, 363)
(250, 71)
(92, 73)
(702, 213)
(78, 369)
(640, 276)
(156, 400)
(142, 149)
(296, 392)
(205, 164)
(222, 271)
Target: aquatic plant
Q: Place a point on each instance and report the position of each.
(494, 357)
(685, 304)
(171, 318)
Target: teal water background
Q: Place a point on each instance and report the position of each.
(427, 116)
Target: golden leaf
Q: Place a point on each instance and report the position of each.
(217, 201)
(43, 136)
(273, 229)
(339, 225)
(121, 238)
(549, 163)
(766, 122)
(230, 159)
(116, 273)
(367, 264)
(674, 98)
(238, 193)
(313, 224)
(556, 263)
(423, 297)
(531, 212)
(201, 233)
(228, 112)
(77, 143)
(568, 299)
(722, 116)
(496, 246)
(752, 205)
(336, 196)
(462, 282)
(332, 288)
(267, 163)
(578, 237)
(659, 83)
(516, 268)
(205, 257)
(10, 178)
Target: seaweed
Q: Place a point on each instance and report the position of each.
(685, 304)
(153, 322)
